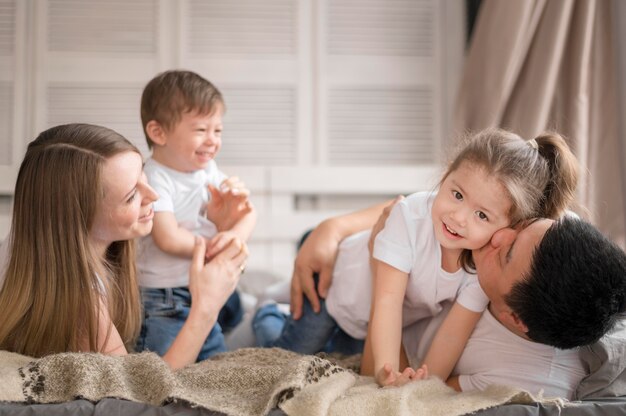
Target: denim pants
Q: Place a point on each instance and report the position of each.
(312, 333)
(166, 310)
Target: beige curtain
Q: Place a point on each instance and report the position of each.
(550, 64)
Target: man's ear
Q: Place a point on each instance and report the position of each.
(511, 320)
(156, 133)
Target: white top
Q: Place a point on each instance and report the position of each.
(186, 195)
(407, 243)
(495, 355)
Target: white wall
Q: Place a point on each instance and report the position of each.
(332, 104)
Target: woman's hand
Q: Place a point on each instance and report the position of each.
(217, 243)
(212, 283)
(210, 286)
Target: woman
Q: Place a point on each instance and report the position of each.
(70, 282)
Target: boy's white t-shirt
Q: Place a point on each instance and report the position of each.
(186, 196)
(407, 243)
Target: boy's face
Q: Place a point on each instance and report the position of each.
(192, 143)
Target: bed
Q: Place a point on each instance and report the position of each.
(107, 407)
(254, 381)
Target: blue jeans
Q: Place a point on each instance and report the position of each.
(166, 310)
(312, 333)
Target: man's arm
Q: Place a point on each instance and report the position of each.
(318, 253)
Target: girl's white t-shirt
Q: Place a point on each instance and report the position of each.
(407, 243)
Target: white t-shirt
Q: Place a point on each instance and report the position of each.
(495, 355)
(407, 243)
(186, 195)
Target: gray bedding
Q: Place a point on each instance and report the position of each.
(609, 406)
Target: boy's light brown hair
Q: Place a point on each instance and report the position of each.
(172, 93)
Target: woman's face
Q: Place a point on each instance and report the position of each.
(125, 211)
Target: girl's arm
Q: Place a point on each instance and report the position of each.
(386, 323)
(450, 340)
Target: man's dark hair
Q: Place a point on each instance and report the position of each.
(575, 290)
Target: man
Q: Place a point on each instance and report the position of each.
(551, 284)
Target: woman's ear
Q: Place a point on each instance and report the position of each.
(156, 132)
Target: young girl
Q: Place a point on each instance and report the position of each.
(496, 181)
(423, 252)
(70, 283)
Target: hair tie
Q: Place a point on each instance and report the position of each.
(533, 143)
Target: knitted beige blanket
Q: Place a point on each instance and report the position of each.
(244, 382)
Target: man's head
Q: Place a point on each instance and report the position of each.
(561, 283)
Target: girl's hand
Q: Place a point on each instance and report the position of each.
(421, 373)
(212, 283)
(387, 377)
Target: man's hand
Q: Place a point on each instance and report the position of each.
(317, 255)
(380, 223)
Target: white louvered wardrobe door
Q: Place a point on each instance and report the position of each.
(12, 92)
(379, 83)
(258, 54)
(96, 57)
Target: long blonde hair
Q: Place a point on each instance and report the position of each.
(55, 282)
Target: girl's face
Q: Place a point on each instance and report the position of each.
(469, 208)
(125, 211)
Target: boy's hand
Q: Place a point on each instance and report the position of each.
(236, 185)
(228, 205)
